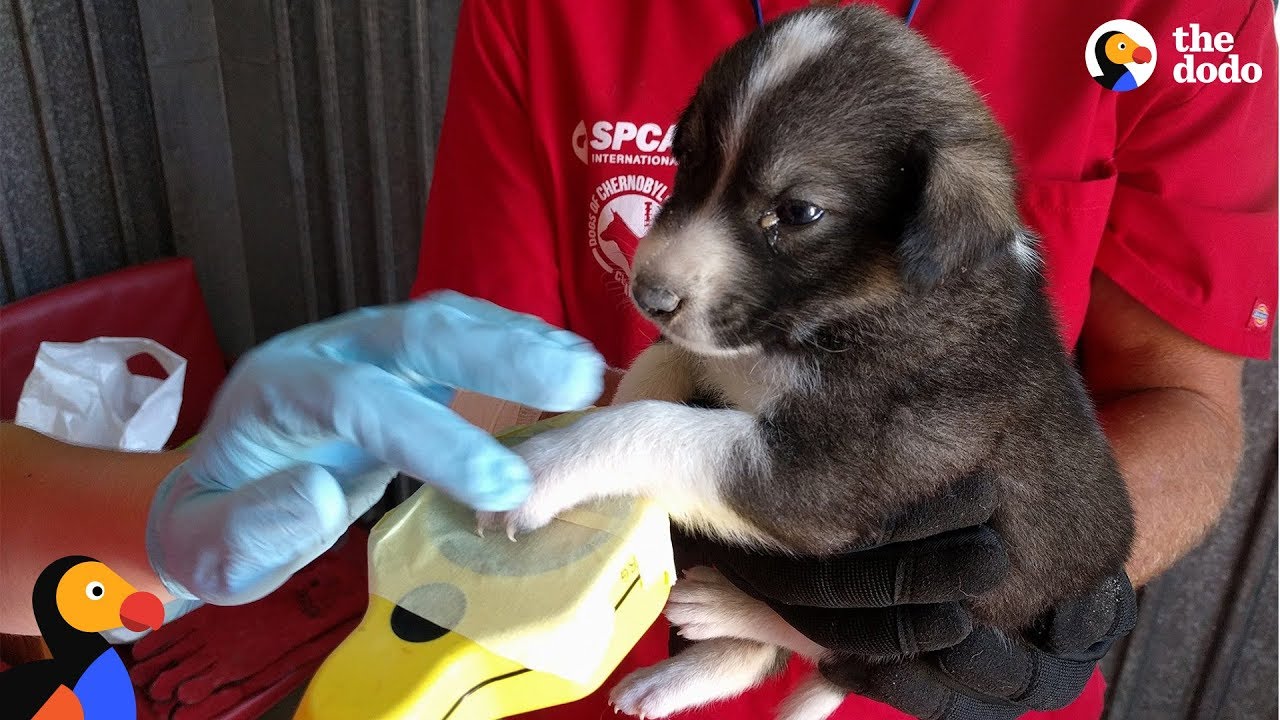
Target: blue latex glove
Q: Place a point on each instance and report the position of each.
(310, 427)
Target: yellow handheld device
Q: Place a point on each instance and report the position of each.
(463, 627)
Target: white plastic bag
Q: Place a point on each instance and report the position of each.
(83, 393)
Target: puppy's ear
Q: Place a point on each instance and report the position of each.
(964, 211)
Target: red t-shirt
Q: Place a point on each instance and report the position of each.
(555, 153)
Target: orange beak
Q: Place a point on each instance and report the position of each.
(140, 611)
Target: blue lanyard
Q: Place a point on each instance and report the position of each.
(759, 11)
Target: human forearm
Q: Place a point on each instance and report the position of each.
(1171, 407)
(1178, 452)
(58, 499)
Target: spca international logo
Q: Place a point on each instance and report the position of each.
(622, 208)
(1121, 55)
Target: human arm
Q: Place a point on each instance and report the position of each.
(58, 499)
(302, 439)
(1171, 407)
(1184, 287)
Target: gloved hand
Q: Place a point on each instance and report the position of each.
(311, 426)
(901, 596)
(985, 677)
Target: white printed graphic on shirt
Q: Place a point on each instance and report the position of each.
(622, 210)
(623, 143)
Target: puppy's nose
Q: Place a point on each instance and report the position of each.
(656, 302)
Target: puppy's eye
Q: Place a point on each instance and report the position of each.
(798, 213)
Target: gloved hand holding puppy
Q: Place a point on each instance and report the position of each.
(893, 612)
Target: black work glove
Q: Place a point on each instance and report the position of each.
(986, 677)
(901, 595)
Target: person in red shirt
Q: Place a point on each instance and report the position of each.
(1156, 208)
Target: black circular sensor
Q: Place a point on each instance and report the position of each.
(414, 628)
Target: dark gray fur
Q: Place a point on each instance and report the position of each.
(933, 351)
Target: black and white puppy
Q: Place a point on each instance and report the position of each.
(842, 267)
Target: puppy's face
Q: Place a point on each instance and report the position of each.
(828, 164)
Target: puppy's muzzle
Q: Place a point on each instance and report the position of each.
(657, 302)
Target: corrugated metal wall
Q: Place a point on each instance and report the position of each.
(283, 144)
(286, 145)
(334, 107)
(81, 189)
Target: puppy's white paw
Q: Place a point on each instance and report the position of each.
(703, 673)
(655, 692)
(815, 699)
(704, 604)
(562, 478)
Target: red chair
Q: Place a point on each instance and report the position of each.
(160, 300)
(217, 662)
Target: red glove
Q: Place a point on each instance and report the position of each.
(225, 662)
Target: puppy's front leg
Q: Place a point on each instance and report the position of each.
(687, 459)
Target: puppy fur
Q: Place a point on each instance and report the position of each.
(841, 269)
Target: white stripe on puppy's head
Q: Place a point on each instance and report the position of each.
(796, 41)
(691, 263)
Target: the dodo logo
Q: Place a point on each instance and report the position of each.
(1121, 55)
(75, 599)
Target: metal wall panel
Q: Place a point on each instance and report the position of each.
(81, 185)
(185, 73)
(287, 145)
(334, 108)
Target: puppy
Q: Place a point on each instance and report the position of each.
(842, 268)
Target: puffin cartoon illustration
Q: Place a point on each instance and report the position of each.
(1114, 51)
(74, 600)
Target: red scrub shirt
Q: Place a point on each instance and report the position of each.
(554, 155)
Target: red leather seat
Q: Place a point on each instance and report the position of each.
(159, 300)
(217, 662)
